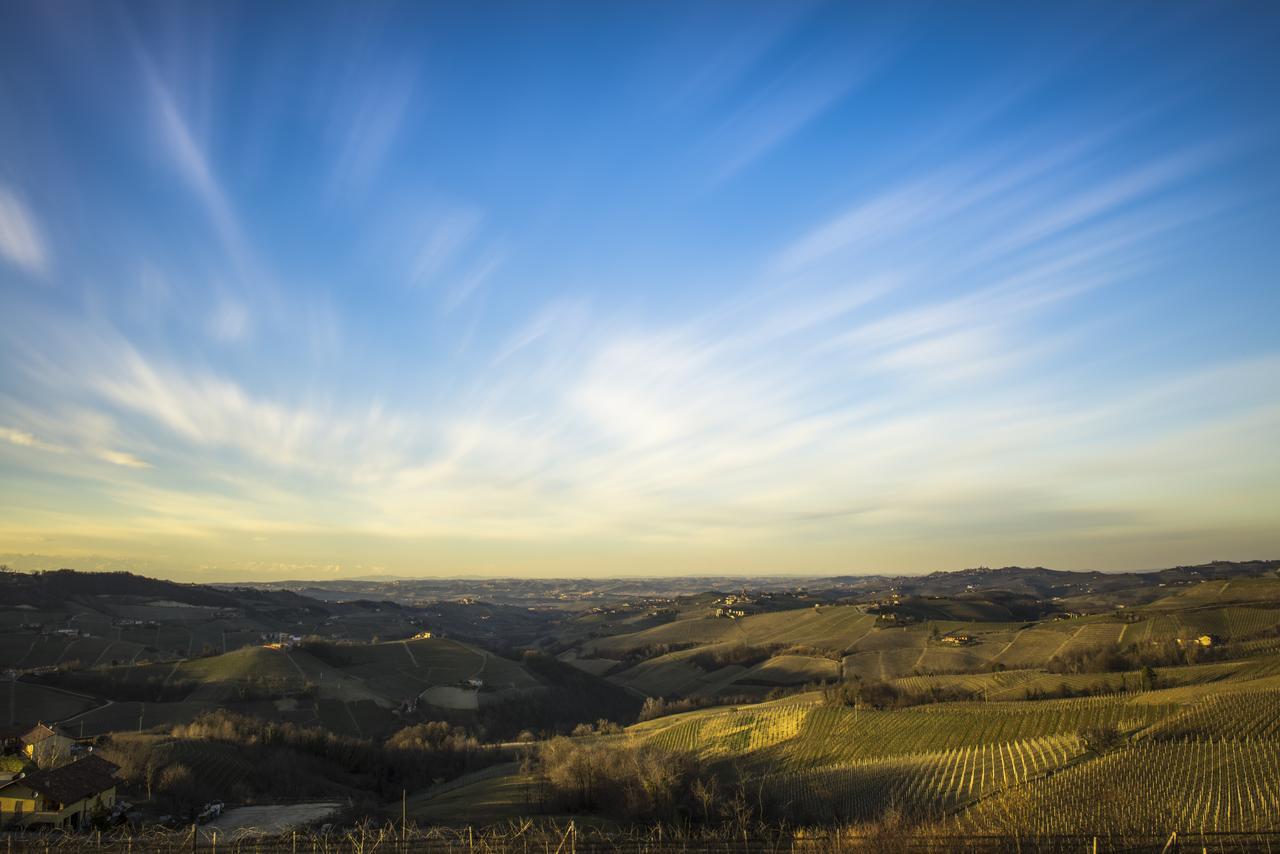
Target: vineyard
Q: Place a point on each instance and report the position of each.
(1196, 762)
(917, 787)
(1191, 786)
(836, 735)
(1254, 715)
(802, 735)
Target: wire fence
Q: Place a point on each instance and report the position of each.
(571, 839)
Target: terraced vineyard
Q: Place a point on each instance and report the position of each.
(1243, 715)
(734, 733)
(1192, 786)
(918, 786)
(831, 735)
(797, 736)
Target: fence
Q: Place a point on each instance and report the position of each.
(530, 839)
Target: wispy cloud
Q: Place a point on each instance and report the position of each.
(123, 458)
(445, 237)
(366, 124)
(23, 439)
(21, 242)
(193, 164)
(516, 331)
(781, 110)
(230, 321)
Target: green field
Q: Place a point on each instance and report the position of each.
(39, 703)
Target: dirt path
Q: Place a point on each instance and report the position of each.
(101, 654)
(354, 722)
(296, 666)
(1008, 646)
(924, 650)
(412, 657)
(484, 662)
(1063, 645)
(26, 654)
(269, 819)
(85, 712)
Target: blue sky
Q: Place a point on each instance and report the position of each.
(572, 289)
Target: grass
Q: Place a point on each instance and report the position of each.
(792, 670)
(493, 794)
(23, 703)
(129, 716)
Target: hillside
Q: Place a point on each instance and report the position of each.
(964, 712)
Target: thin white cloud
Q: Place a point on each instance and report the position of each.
(366, 126)
(780, 111)
(445, 238)
(26, 439)
(23, 439)
(230, 321)
(21, 242)
(123, 458)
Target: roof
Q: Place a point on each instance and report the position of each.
(39, 733)
(70, 783)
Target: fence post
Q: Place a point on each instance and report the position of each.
(195, 833)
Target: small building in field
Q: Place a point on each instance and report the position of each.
(1204, 641)
(45, 746)
(65, 797)
(957, 640)
(421, 636)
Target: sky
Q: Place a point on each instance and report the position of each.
(317, 290)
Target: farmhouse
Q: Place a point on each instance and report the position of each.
(64, 797)
(46, 746)
(957, 640)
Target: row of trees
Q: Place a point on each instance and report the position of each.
(1117, 659)
(227, 756)
(885, 695)
(634, 783)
